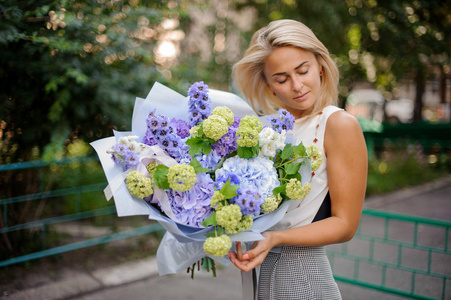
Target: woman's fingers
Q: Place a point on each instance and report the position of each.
(239, 251)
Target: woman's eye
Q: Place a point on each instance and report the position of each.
(281, 81)
(303, 72)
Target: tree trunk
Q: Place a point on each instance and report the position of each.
(442, 85)
(419, 91)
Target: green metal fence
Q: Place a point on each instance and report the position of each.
(397, 254)
(65, 194)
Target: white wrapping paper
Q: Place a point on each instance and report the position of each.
(182, 244)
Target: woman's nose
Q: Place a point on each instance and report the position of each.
(296, 85)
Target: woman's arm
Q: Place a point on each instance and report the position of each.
(347, 164)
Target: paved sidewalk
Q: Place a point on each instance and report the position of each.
(139, 279)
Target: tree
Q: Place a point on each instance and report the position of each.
(69, 70)
(403, 40)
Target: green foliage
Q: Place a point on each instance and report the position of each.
(71, 66)
(198, 145)
(161, 177)
(197, 167)
(248, 152)
(228, 190)
(399, 169)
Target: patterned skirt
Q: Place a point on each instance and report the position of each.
(297, 273)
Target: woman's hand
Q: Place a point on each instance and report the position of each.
(255, 256)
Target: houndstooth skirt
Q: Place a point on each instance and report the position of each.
(297, 273)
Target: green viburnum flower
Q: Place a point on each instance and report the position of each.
(181, 177)
(245, 223)
(295, 190)
(229, 216)
(247, 138)
(138, 184)
(271, 203)
(216, 199)
(248, 130)
(151, 168)
(252, 122)
(315, 156)
(194, 131)
(215, 127)
(224, 112)
(217, 246)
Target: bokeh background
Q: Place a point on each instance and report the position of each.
(70, 72)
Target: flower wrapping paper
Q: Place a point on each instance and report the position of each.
(182, 244)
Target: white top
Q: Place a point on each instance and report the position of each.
(304, 131)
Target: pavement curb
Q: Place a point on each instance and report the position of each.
(81, 283)
(382, 200)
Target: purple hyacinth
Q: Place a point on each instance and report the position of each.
(163, 132)
(283, 121)
(198, 103)
(182, 128)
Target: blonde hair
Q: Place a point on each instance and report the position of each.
(248, 72)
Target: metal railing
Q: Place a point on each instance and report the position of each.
(42, 224)
(398, 254)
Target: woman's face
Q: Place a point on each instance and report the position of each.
(293, 74)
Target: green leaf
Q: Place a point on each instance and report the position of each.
(292, 168)
(211, 220)
(228, 190)
(295, 175)
(197, 167)
(160, 177)
(287, 151)
(248, 152)
(300, 150)
(280, 190)
(199, 145)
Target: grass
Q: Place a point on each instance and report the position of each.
(398, 168)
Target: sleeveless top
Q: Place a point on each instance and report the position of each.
(316, 205)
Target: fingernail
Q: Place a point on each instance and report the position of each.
(245, 256)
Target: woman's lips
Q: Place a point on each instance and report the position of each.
(301, 97)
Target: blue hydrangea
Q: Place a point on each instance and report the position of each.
(221, 180)
(193, 206)
(249, 200)
(258, 173)
(209, 161)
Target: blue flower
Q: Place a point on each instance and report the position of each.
(249, 200)
(284, 121)
(130, 158)
(258, 173)
(193, 206)
(197, 87)
(221, 180)
(182, 128)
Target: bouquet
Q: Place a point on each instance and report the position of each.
(209, 173)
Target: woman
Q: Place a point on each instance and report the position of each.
(286, 66)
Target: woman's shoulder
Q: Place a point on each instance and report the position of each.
(342, 131)
(340, 120)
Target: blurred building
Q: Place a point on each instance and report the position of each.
(372, 108)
